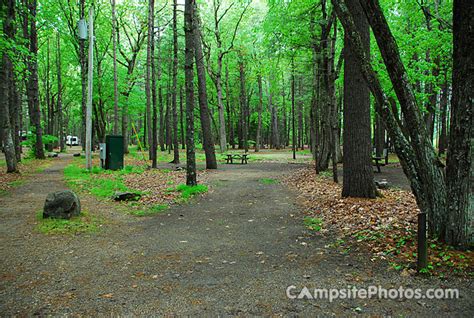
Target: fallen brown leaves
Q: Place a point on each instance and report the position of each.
(385, 225)
(157, 184)
(396, 209)
(26, 168)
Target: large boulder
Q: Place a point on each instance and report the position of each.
(61, 205)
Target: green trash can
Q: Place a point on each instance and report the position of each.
(114, 152)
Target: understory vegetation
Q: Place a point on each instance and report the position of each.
(27, 167)
(384, 227)
(156, 189)
(83, 223)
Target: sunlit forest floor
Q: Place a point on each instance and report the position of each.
(231, 247)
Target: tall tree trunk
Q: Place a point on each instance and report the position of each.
(430, 171)
(60, 94)
(49, 107)
(114, 59)
(6, 77)
(293, 132)
(189, 78)
(175, 87)
(154, 134)
(125, 124)
(358, 178)
(459, 165)
(15, 115)
(315, 103)
(243, 103)
(443, 137)
(168, 121)
(208, 142)
(160, 93)
(323, 128)
(149, 59)
(229, 112)
(33, 90)
(379, 136)
(83, 64)
(332, 102)
(274, 132)
(412, 144)
(181, 118)
(220, 106)
(260, 107)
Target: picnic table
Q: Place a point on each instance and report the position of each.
(242, 157)
(380, 161)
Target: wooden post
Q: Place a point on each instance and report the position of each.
(422, 244)
(89, 91)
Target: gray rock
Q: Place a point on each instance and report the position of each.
(126, 196)
(61, 205)
(53, 155)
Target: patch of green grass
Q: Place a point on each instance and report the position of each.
(304, 152)
(16, 183)
(156, 209)
(131, 169)
(268, 181)
(314, 224)
(326, 174)
(107, 187)
(89, 181)
(189, 191)
(84, 223)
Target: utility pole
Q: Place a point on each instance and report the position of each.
(293, 106)
(89, 91)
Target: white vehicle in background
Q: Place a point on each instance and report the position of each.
(72, 141)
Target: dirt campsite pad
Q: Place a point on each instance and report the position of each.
(233, 251)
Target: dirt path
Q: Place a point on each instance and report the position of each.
(232, 252)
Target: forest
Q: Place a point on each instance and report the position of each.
(342, 83)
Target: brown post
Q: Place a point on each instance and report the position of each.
(422, 244)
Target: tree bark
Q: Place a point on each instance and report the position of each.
(114, 59)
(417, 158)
(460, 186)
(6, 77)
(181, 118)
(160, 94)
(208, 142)
(260, 107)
(443, 137)
(60, 94)
(83, 64)
(358, 179)
(149, 60)
(229, 112)
(175, 88)
(430, 168)
(154, 134)
(33, 90)
(243, 103)
(189, 78)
